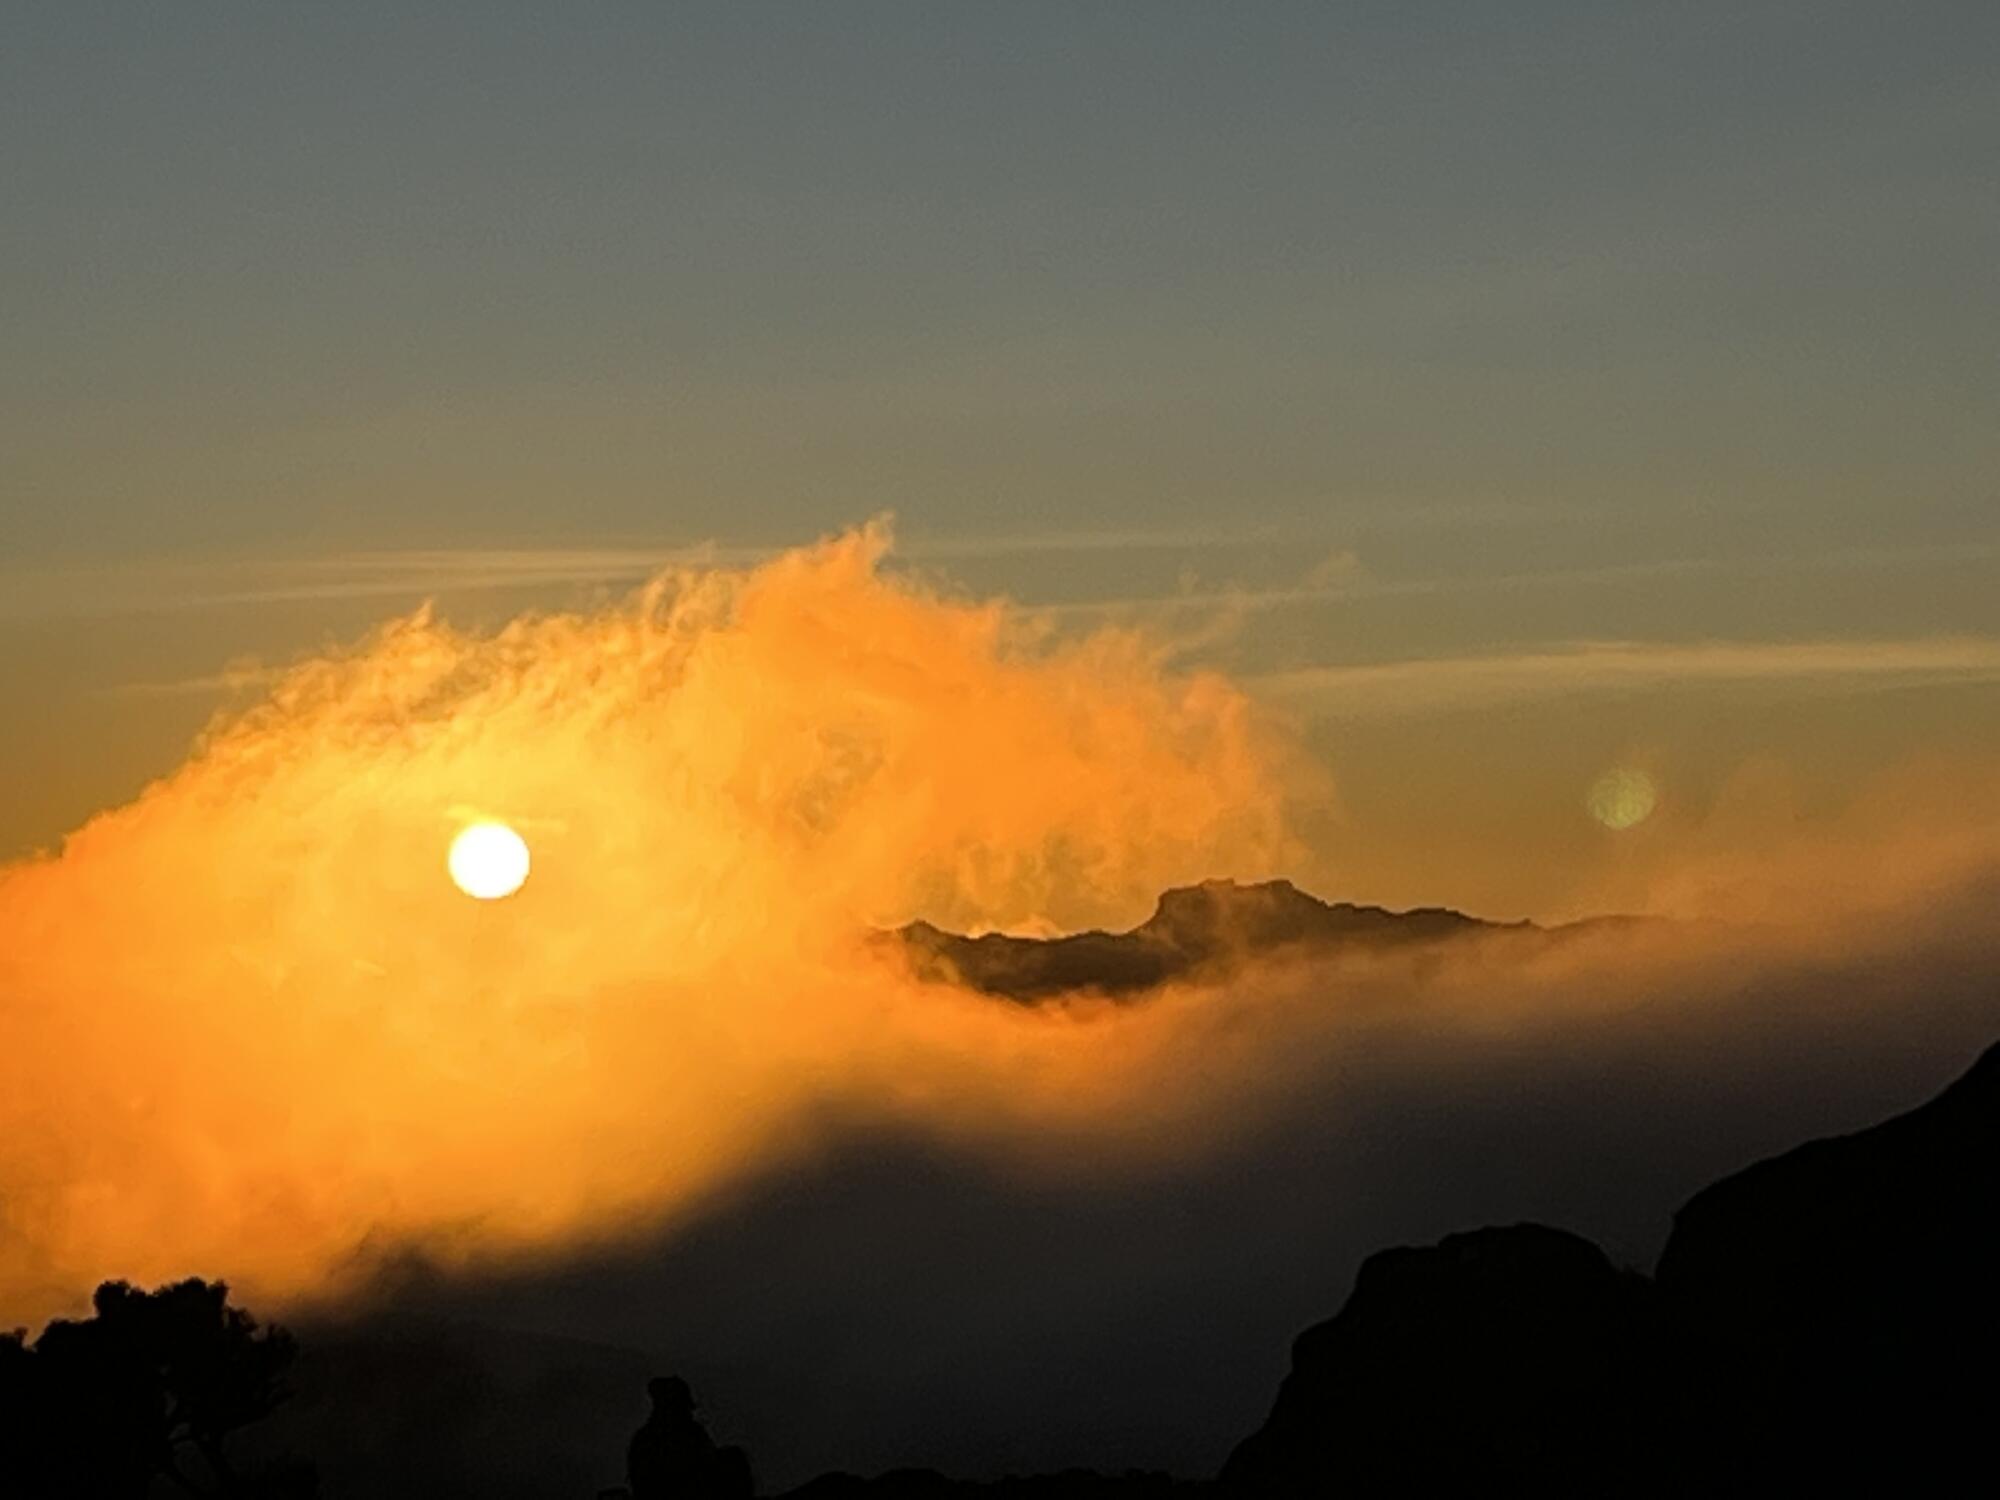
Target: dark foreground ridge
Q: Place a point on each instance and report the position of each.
(1494, 1360)
(1194, 931)
(1823, 1322)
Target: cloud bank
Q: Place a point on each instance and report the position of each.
(253, 1031)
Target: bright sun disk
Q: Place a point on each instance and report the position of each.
(488, 861)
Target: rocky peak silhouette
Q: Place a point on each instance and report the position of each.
(1218, 915)
(1198, 929)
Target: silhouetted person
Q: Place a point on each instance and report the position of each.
(672, 1457)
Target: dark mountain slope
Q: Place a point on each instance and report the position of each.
(1511, 1360)
(1824, 1322)
(1842, 1302)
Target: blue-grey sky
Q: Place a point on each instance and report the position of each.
(1503, 327)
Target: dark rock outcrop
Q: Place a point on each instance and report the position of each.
(1515, 1360)
(1839, 1305)
(1824, 1322)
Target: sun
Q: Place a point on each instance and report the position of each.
(488, 861)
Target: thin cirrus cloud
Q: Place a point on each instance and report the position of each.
(150, 587)
(147, 586)
(424, 572)
(1342, 578)
(1441, 684)
(144, 586)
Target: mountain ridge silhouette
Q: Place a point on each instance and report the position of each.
(1197, 931)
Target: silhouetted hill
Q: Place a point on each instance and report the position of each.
(1193, 929)
(1513, 1360)
(1822, 1322)
(1841, 1302)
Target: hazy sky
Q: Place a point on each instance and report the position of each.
(1418, 333)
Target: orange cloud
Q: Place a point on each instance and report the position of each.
(252, 1028)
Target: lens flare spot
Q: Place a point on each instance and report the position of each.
(488, 861)
(1623, 798)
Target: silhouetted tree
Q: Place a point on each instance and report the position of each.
(19, 1419)
(150, 1387)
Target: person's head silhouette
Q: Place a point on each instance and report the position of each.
(671, 1396)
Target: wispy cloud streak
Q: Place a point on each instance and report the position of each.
(1356, 586)
(164, 585)
(1438, 684)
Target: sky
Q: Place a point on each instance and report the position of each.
(814, 467)
(1393, 334)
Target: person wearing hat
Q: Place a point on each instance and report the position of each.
(672, 1457)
